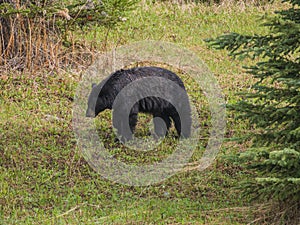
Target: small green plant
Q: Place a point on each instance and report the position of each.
(273, 107)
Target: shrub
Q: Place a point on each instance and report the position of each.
(37, 33)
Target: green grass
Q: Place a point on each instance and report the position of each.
(45, 180)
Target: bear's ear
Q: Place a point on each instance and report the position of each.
(93, 85)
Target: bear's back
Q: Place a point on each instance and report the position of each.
(121, 78)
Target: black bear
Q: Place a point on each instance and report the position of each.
(165, 101)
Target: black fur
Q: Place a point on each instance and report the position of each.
(103, 95)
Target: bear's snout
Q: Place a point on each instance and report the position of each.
(90, 113)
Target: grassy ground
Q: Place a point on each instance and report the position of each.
(45, 180)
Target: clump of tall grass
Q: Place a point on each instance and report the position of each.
(42, 34)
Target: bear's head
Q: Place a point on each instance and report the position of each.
(97, 101)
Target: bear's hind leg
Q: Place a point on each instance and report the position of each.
(184, 130)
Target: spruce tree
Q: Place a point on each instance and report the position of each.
(273, 108)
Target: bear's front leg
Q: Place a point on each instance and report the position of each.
(125, 126)
(162, 125)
